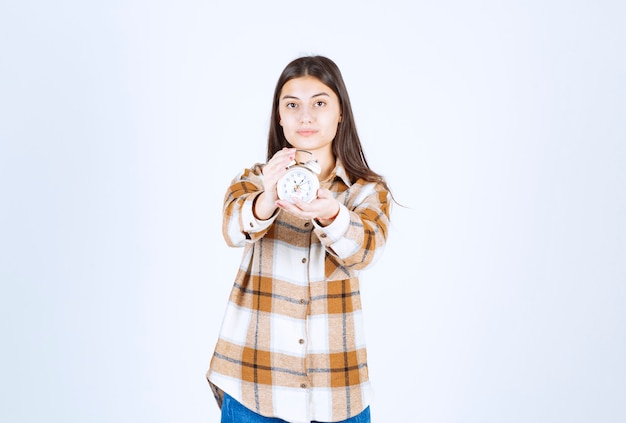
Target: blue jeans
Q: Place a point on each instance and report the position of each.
(234, 412)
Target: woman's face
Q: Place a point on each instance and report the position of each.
(309, 113)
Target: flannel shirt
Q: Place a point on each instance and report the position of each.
(291, 344)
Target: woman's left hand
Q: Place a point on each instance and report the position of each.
(324, 208)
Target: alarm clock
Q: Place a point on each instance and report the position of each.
(300, 181)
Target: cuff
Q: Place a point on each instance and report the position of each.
(332, 233)
(250, 222)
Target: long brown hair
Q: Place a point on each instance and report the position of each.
(346, 145)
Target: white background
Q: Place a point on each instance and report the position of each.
(500, 125)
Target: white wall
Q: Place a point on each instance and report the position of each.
(501, 296)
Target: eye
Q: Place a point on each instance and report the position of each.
(291, 105)
(320, 103)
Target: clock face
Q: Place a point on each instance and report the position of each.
(298, 182)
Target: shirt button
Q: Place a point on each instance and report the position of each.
(323, 235)
(306, 225)
(301, 341)
(302, 301)
(303, 385)
(304, 260)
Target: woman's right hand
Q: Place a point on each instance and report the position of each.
(273, 170)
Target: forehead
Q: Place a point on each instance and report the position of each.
(305, 87)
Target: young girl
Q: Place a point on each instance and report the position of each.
(291, 346)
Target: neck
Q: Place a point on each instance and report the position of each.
(327, 163)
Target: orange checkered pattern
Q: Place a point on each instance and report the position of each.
(292, 340)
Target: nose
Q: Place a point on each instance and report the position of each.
(306, 115)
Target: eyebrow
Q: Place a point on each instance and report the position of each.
(287, 96)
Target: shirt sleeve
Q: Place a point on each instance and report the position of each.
(239, 224)
(357, 236)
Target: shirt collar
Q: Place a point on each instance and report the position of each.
(340, 171)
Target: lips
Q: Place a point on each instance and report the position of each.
(306, 132)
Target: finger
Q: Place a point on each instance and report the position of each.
(289, 207)
(323, 193)
(299, 203)
(276, 166)
(284, 154)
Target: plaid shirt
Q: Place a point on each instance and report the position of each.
(292, 343)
